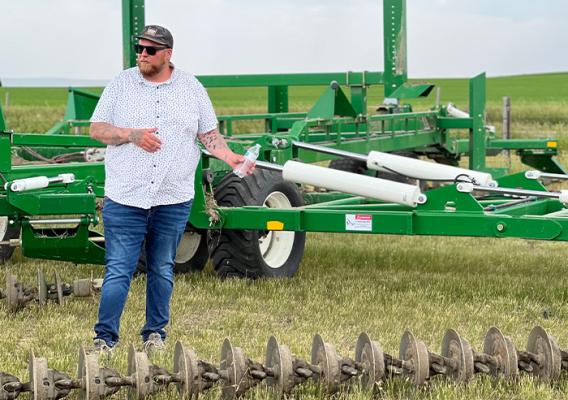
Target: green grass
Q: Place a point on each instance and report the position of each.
(346, 284)
(538, 88)
(538, 102)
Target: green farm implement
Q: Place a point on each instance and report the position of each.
(393, 171)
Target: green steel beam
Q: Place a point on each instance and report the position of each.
(132, 24)
(477, 144)
(5, 152)
(435, 223)
(308, 79)
(454, 123)
(463, 145)
(278, 99)
(394, 31)
(359, 99)
(34, 139)
(2, 120)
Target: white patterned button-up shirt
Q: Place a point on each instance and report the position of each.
(180, 109)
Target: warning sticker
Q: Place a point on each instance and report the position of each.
(359, 222)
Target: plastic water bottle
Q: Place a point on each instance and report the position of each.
(250, 157)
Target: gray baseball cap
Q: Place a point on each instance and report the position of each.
(158, 34)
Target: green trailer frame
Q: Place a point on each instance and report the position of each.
(337, 121)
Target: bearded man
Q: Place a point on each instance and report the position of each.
(150, 117)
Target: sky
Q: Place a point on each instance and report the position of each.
(81, 39)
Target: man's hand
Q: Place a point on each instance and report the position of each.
(145, 139)
(235, 160)
(216, 145)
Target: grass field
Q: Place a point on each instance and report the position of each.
(347, 284)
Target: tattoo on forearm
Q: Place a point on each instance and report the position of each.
(213, 141)
(135, 136)
(107, 134)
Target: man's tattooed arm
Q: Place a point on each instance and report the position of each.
(143, 138)
(216, 145)
(108, 134)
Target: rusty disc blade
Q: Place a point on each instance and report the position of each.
(325, 356)
(42, 288)
(547, 352)
(371, 357)
(185, 364)
(501, 347)
(88, 371)
(139, 369)
(458, 349)
(279, 359)
(233, 362)
(415, 352)
(38, 375)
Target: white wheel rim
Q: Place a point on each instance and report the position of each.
(276, 246)
(3, 227)
(187, 247)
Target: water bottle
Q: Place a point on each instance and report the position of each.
(250, 157)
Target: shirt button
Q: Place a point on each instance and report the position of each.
(157, 116)
(152, 182)
(154, 165)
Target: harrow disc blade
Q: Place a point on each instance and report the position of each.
(38, 375)
(59, 288)
(547, 352)
(325, 356)
(139, 369)
(458, 349)
(13, 292)
(82, 287)
(371, 357)
(502, 348)
(415, 353)
(233, 361)
(279, 359)
(89, 372)
(185, 364)
(42, 288)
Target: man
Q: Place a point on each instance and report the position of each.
(150, 117)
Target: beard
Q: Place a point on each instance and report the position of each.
(149, 70)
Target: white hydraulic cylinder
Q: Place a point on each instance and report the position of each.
(425, 170)
(39, 182)
(360, 185)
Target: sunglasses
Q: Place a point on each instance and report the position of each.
(151, 50)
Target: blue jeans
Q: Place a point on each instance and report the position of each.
(126, 228)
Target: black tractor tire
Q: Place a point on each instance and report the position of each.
(255, 254)
(359, 167)
(7, 233)
(191, 256)
(349, 165)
